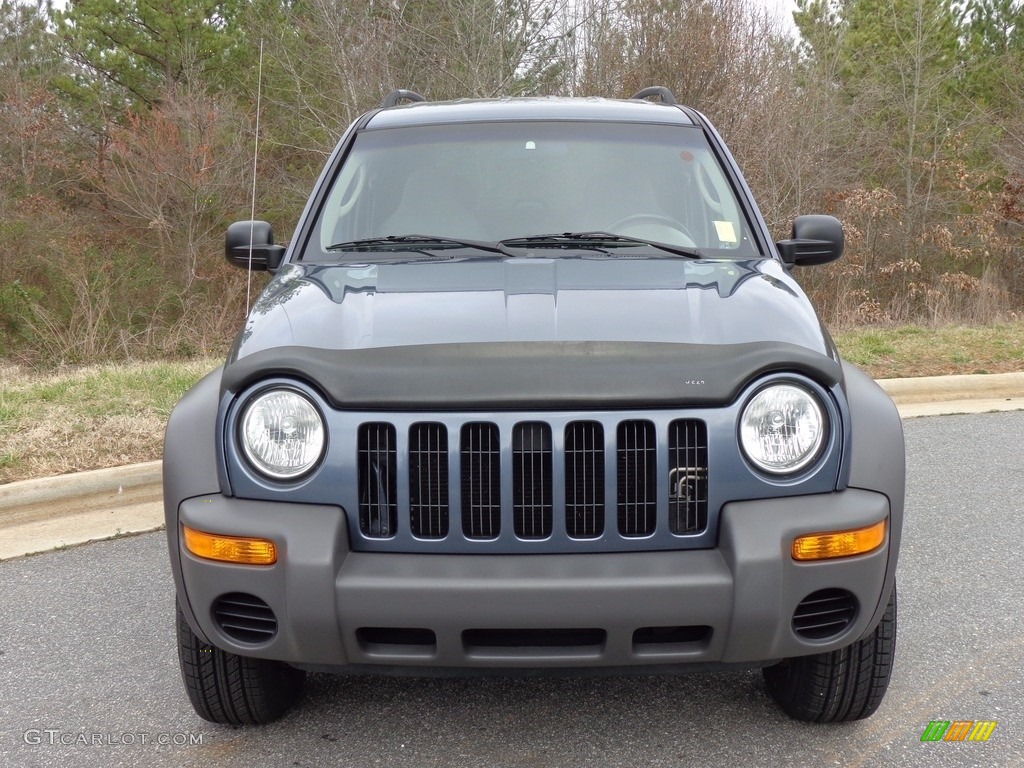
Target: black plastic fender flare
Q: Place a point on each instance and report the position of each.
(877, 461)
(190, 467)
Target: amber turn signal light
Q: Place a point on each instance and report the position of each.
(825, 546)
(229, 549)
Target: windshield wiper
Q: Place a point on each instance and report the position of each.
(418, 243)
(597, 241)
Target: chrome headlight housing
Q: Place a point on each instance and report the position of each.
(282, 434)
(782, 429)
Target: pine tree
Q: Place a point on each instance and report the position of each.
(137, 50)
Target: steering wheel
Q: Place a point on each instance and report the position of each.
(654, 226)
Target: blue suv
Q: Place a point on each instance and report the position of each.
(532, 388)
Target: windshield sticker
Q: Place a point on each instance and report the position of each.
(726, 231)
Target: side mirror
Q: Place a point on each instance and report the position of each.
(237, 246)
(816, 239)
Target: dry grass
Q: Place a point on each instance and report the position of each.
(888, 353)
(87, 418)
(104, 416)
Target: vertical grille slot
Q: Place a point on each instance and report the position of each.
(428, 480)
(378, 482)
(687, 476)
(531, 480)
(481, 480)
(637, 479)
(584, 479)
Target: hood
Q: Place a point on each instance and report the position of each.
(564, 299)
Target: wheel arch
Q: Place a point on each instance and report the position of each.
(877, 462)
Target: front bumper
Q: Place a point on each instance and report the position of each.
(338, 608)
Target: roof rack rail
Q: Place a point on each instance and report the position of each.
(399, 95)
(657, 90)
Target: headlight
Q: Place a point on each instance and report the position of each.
(282, 434)
(782, 429)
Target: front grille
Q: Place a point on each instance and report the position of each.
(378, 480)
(666, 639)
(687, 477)
(584, 479)
(481, 481)
(384, 638)
(245, 618)
(637, 478)
(473, 639)
(824, 613)
(531, 480)
(428, 480)
(600, 480)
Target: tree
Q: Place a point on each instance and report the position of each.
(467, 48)
(28, 114)
(172, 176)
(143, 48)
(922, 159)
(993, 52)
(898, 67)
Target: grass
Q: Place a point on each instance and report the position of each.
(909, 351)
(87, 418)
(104, 416)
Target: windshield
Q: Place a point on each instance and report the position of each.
(510, 180)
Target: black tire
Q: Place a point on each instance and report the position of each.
(230, 689)
(843, 685)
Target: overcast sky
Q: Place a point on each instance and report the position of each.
(783, 9)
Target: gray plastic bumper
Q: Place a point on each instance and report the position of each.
(336, 607)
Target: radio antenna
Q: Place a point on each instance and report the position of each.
(255, 159)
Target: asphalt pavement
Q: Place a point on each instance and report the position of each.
(89, 675)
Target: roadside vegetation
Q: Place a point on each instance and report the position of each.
(108, 415)
(128, 131)
(88, 418)
(911, 351)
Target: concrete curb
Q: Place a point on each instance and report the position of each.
(952, 388)
(944, 395)
(54, 512)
